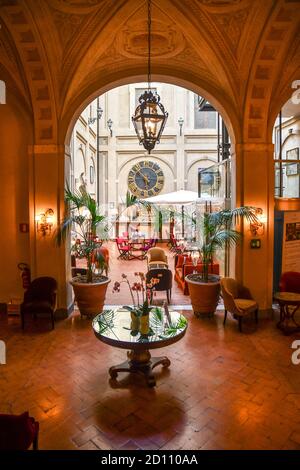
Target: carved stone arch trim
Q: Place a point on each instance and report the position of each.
(79, 149)
(193, 83)
(293, 134)
(197, 161)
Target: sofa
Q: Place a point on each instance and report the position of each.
(184, 266)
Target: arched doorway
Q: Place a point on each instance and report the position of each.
(180, 156)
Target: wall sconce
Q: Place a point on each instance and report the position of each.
(258, 228)
(44, 222)
(91, 120)
(180, 122)
(109, 125)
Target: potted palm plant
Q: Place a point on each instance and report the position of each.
(216, 231)
(83, 218)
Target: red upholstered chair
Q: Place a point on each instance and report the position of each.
(18, 432)
(184, 266)
(290, 282)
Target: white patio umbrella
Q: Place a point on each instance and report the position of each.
(180, 197)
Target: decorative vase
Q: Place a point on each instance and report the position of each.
(135, 322)
(144, 324)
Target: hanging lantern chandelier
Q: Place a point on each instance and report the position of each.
(150, 116)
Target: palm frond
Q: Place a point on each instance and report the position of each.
(131, 200)
(226, 236)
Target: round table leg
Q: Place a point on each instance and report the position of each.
(287, 315)
(140, 362)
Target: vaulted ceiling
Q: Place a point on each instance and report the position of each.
(243, 54)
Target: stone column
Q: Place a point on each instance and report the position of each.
(253, 171)
(46, 190)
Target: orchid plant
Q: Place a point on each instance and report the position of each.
(140, 292)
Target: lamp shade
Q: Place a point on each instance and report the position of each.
(149, 119)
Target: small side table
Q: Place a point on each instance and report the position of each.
(289, 303)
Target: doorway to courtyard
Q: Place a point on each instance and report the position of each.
(151, 200)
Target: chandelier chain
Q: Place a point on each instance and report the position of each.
(149, 44)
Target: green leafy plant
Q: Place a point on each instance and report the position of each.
(216, 231)
(83, 218)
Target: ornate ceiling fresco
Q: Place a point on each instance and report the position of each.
(59, 52)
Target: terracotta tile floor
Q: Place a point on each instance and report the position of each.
(224, 390)
(119, 266)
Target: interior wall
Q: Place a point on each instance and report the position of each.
(14, 199)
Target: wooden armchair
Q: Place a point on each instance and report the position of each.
(237, 300)
(40, 297)
(165, 281)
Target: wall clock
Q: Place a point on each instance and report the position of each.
(145, 179)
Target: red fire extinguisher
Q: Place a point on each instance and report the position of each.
(25, 274)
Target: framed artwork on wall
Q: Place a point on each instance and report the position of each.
(292, 154)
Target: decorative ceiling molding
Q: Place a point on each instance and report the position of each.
(166, 39)
(82, 7)
(232, 25)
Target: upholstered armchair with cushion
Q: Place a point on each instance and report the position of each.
(157, 256)
(40, 297)
(237, 300)
(18, 432)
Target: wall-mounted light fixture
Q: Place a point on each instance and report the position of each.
(180, 122)
(258, 228)
(91, 119)
(44, 222)
(109, 125)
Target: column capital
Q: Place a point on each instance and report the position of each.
(254, 147)
(48, 149)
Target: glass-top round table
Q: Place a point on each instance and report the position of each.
(114, 327)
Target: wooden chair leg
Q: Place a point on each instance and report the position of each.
(35, 444)
(240, 323)
(225, 317)
(168, 296)
(22, 321)
(52, 318)
(256, 316)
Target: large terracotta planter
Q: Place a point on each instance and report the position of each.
(204, 295)
(90, 297)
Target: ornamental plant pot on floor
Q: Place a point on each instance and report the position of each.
(90, 296)
(204, 295)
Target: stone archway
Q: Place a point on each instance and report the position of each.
(240, 55)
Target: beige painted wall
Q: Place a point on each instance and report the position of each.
(14, 200)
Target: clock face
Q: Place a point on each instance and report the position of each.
(145, 179)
